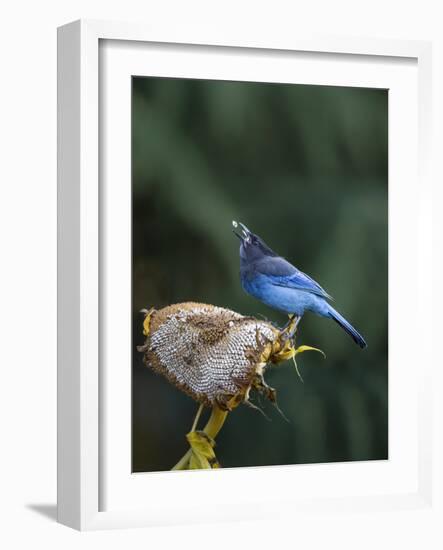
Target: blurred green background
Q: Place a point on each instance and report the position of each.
(305, 167)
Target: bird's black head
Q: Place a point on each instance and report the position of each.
(252, 247)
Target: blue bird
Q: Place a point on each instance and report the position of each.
(278, 284)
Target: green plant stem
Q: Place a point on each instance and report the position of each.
(183, 463)
(212, 428)
(197, 417)
(215, 422)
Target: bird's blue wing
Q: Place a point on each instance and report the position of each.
(280, 272)
(300, 281)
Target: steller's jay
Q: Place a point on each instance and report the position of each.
(278, 284)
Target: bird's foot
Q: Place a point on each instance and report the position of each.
(288, 323)
(289, 330)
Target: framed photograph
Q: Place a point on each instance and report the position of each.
(236, 219)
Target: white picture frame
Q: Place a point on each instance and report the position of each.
(82, 433)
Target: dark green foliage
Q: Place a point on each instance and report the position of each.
(305, 167)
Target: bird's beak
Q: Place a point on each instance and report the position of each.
(243, 233)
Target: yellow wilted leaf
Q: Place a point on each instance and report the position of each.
(202, 446)
(285, 352)
(198, 462)
(147, 320)
(301, 349)
(201, 443)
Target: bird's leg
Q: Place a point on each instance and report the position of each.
(289, 330)
(293, 327)
(288, 324)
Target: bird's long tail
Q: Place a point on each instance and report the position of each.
(339, 319)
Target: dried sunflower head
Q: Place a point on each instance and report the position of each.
(213, 354)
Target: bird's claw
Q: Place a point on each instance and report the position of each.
(289, 330)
